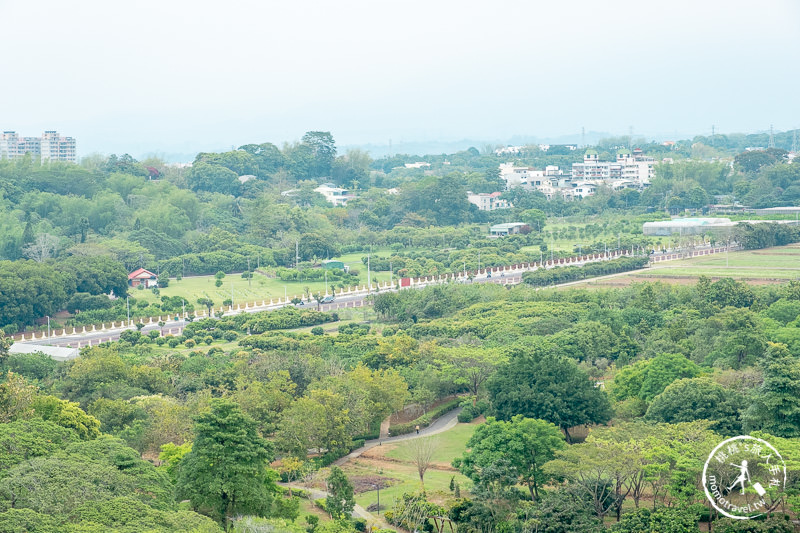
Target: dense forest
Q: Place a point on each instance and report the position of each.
(663, 352)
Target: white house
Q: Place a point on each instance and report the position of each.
(335, 195)
(488, 201)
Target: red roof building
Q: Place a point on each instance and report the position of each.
(144, 277)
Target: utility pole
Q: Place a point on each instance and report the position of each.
(231, 293)
(297, 254)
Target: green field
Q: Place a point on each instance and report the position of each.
(240, 290)
(769, 265)
(391, 464)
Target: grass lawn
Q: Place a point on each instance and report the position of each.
(768, 265)
(390, 464)
(261, 288)
(450, 444)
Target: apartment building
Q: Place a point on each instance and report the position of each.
(630, 165)
(49, 147)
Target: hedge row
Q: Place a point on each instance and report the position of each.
(544, 277)
(424, 420)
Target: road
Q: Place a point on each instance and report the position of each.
(348, 300)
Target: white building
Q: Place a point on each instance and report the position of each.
(335, 195)
(527, 176)
(49, 147)
(632, 166)
(488, 201)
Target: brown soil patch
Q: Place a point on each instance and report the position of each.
(370, 483)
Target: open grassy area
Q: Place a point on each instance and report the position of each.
(449, 445)
(391, 465)
(240, 290)
(769, 265)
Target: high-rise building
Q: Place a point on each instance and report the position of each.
(49, 147)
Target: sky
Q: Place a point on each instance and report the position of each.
(180, 76)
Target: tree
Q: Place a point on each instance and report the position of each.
(213, 178)
(524, 444)
(323, 152)
(340, 501)
(698, 399)
(469, 366)
(538, 384)
(775, 406)
(420, 452)
(43, 247)
(647, 379)
(563, 511)
(5, 344)
(208, 302)
(661, 519)
(226, 471)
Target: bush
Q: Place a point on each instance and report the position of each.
(317, 330)
(163, 282)
(208, 339)
(190, 343)
(173, 342)
(230, 336)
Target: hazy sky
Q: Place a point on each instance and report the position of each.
(181, 75)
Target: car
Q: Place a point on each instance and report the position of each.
(328, 299)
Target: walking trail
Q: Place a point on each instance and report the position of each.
(441, 424)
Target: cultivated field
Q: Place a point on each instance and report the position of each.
(769, 265)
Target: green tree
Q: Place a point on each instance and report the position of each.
(226, 471)
(699, 399)
(647, 379)
(323, 152)
(340, 501)
(538, 384)
(658, 520)
(523, 444)
(775, 406)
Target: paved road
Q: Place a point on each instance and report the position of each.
(441, 424)
(344, 301)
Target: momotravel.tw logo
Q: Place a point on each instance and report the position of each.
(744, 477)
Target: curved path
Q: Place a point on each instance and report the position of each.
(441, 424)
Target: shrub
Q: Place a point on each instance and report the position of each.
(190, 343)
(173, 342)
(230, 336)
(317, 330)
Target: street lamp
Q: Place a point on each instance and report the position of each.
(48, 326)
